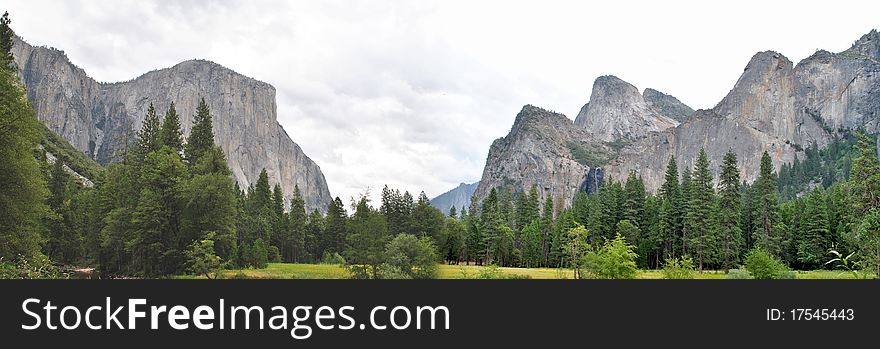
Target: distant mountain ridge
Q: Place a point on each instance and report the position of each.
(459, 197)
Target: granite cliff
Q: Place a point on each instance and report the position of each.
(96, 118)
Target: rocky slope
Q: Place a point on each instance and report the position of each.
(667, 105)
(97, 117)
(460, 197)
(617, 111)
(544, 149)
(774, 106)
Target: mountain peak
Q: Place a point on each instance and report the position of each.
(868, 45)
(617, 111)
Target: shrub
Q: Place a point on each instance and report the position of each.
(679, 268)
(615, 260)
(762, 265)
(738, 274)
(416, 257)
(274, 254)
(332, 258)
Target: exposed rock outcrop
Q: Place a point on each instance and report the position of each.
(618, 112)
(544, 149)
(97, 118)
(667, 105)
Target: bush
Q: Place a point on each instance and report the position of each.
(332, 258)
(615, 260)
(738, 274)
(274, 254)
(37, 267)
(679, 268)
(763, 265)
(415, 257)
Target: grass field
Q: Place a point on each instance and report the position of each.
(330, 271)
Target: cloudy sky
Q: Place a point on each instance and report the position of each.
(412, 93)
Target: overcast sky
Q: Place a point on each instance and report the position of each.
(412, 93)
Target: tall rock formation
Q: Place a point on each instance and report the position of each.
(97, 118)
(544, 149)
(618, 112)
(774, 106)
(459, 197)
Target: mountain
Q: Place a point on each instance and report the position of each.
(618, 112)
(775, 106)
(460, 197)
(97, 118)
(547, 150)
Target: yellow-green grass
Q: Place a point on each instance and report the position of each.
(330, 271)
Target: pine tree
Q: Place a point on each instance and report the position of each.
(201, 138)
(547, 221)
(634, 201)
(766, 209)
(671, 210)
(262, 196)
(815, 239)
(170, 133)
(729, 213)
(6, 33)
(296, 245)
(149, 136)
(334, 239)
(452, 212)
(699, 219)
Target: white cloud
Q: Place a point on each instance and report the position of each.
(412, 93)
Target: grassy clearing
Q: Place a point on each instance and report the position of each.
(330, 271)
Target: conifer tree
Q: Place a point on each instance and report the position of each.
(699, 219)
(170, 134)
(149, 136)
(766, 208)
(730, 235)
(297, 219)
(201, 138)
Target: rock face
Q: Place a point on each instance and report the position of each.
(774, 106)
(544, 149)
(460, 197)
(617, 111)
(97, 117)
(667, 105)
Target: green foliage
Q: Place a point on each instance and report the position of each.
(413, 256)
(332, 258)
(587, 156)
(614, 260)
(868, 239)
(763, 265)
(766, 209)
(700, 219)
(201, 137)
(368, 235)
(201, 259)
(170, 135)
(39, 267)
(24, 190)
(576, 248)
(731, 241)
(679, 268)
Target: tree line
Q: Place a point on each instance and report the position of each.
(714, 221)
